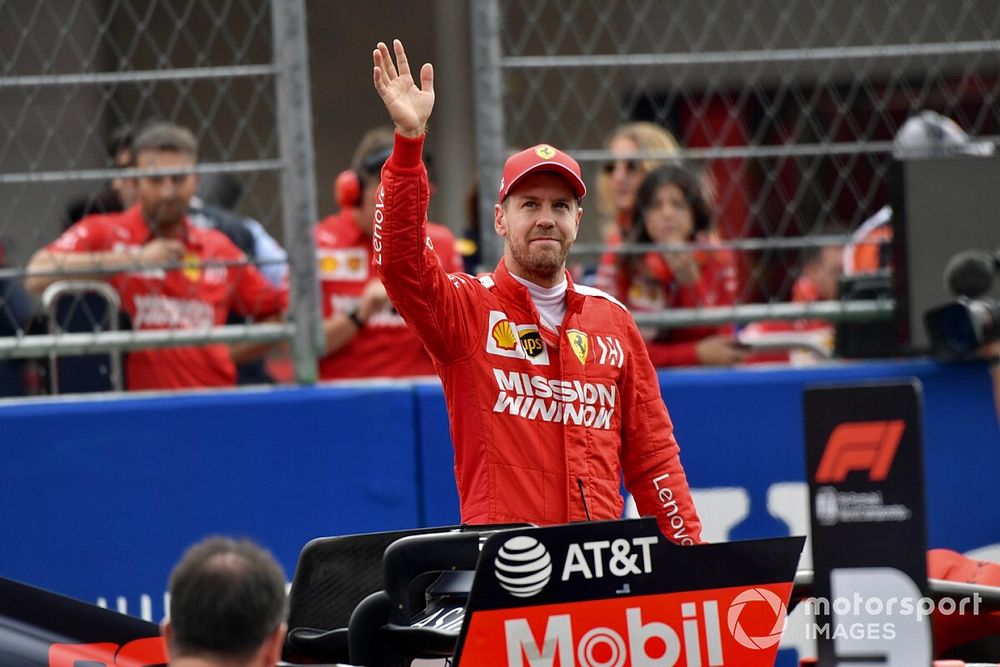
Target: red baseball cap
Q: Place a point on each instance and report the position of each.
(540, 158)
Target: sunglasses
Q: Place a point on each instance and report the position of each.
(631, 166)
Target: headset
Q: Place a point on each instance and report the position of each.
(348, 185)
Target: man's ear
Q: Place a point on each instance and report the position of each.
(271, 650)
(498, 220)
(167, 632)
(579, 216)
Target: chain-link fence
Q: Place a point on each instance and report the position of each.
(79, 82)
(788, 108)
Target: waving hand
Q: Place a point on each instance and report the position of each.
(408, 105)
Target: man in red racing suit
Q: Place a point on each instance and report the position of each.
(544, 419)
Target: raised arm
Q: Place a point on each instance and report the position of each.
(440, 307)
(408, 106)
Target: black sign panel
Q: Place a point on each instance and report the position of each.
(602, 589)
(864, 462)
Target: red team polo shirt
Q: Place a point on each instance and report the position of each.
(195, 297)
(386, 347)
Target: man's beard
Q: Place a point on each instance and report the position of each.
(541, 264)
(160, 218)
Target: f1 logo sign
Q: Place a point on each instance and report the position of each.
(867, 446)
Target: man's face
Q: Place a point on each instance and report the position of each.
(165, 199)
(826, 271)
(538, 221)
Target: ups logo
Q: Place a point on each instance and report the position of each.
(531, 342)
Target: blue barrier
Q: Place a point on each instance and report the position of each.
(744, 429)
(100, 497)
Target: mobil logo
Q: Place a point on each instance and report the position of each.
(710, 628)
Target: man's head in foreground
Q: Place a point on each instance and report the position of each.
(538, 212)
(227, 606)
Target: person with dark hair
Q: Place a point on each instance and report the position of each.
(671, 209)
(138, 251)
(365, 336)
(551, 397)
(803, 341)
(227, 606)
(619, 178)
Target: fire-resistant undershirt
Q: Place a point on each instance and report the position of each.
(550, 302)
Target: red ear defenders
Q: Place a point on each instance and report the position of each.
(347, 189)
(348, 185)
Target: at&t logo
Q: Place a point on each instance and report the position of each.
(523, 566)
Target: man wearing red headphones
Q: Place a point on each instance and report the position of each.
(365, 336)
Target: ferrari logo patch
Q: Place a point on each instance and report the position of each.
(545, 151)
(192, 267)
(580, 343)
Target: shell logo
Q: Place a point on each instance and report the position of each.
(327, 263)
(504, 336)
(523, 566)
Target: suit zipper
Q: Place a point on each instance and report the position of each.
(583, 498)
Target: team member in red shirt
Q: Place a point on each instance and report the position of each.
(819, 273)
(365, 336)
(671, 209)
(138, 242)
(550, 392)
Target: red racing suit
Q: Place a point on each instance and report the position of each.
(386, 347)
(543, 424)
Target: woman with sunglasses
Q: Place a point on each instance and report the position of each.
(671, 209)
(631, 146)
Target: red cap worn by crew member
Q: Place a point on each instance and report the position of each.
(540, 158)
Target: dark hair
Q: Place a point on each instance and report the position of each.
(122, 138)
(812, 254)
(690, 187)
(374, 149)
(162, 136)
(226, 597)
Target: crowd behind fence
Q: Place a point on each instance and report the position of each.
(788, 112)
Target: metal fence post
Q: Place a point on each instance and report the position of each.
(298, 181)
(490, 149)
